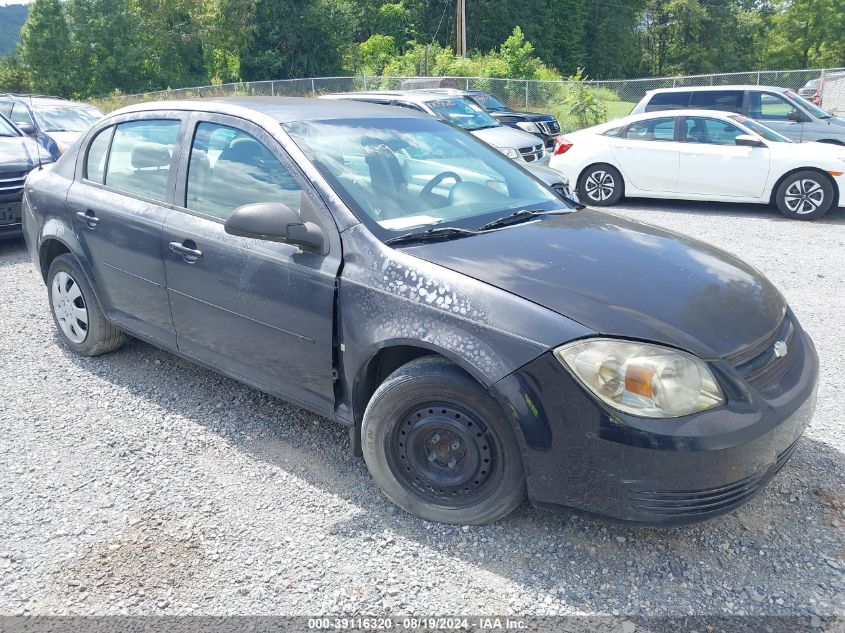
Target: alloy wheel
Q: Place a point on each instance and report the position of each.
(804, 196)
(599, 185)
(69, 307)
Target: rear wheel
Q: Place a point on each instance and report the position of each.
(804, 195)
(78, 317)
(439, 447)
(601, 185)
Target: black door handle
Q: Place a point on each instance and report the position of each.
(187, 249)
(88, 217)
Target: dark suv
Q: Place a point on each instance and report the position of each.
(546, 126)
(52, 121)
(18, 156)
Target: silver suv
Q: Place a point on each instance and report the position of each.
(464, 113)
(778, 108)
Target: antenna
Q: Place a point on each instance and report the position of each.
(37, 146)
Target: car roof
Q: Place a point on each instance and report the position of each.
(41, 99)
(417, 96)
(707, 88)
(659, 114)
(283, 109)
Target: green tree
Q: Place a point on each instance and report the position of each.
(807, 34)
(45, 40)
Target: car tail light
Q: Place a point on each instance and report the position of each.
(562, 145)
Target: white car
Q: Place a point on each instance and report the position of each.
(701, 155)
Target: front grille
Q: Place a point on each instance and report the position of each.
(11, 183)
(533, 153)
(549, 127)
(691, 503)
(760, 365)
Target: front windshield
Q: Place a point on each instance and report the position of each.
(411, 174)
(463, 113)
(67, 118)
(489, 102)
(761, 130)
(6, 128)
(815, 110)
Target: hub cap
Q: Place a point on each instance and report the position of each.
(599, 186)
(69, 307)
(445, 453)
(804, 196)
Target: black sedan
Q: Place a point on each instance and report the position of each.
(19, 154)
(480, 337)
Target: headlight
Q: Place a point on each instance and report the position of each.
(528, 126)
(510, 152)
(642, 379)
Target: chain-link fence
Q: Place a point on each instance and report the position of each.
(614, 98)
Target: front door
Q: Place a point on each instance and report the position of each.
(775, 111)
(647, 154)
(713, 164)
(117, 207)
(260, 310)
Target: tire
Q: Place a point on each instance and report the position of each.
(76, 312)
(439, 446)
(601, 185)
(805, 195)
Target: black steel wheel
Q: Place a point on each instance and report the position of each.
(439, 447)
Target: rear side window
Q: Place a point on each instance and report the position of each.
(140, 157)
(229, 168)
(710, 131)
(668, 101)
(95, 163)
(726, 100)
(662, 129)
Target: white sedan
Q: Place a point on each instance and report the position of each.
(701, 155)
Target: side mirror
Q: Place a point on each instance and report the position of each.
(26, 128)
(276, 222)
(795, 116)
(746, 140)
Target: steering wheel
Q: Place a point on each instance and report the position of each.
(431, 184)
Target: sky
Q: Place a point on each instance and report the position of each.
(3, 3)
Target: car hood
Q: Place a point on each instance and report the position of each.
(623, 278)
(503, 136)
(837, 122)
(521, 116)
(19, 153)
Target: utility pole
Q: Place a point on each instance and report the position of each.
(461, 29)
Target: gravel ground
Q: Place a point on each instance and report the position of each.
(138, 483)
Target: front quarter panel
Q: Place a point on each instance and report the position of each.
(390, 298)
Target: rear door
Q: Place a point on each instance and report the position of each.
(117, 204)
(775, 111)
(647, 153)
(711, 163)
(260, 310)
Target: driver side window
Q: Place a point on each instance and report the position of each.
(769, 107)
(229, 168)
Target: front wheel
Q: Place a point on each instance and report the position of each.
(805, 195)
(601, 185)
(439, 447)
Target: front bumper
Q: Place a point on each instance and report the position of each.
(581, 454)
(10, 219)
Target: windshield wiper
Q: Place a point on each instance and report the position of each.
(518, 217)
(431, 235)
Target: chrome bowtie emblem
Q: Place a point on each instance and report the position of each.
(780, 349)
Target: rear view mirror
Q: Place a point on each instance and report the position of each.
(747, 140)
(275, 222)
